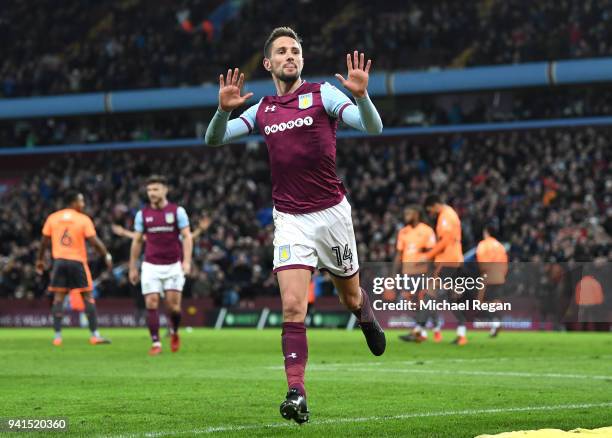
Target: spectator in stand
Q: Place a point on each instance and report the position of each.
(68, 48)
(549, 191)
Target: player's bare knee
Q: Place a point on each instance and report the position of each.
(57, 309)
(152, 301)
(294, 310)
(351, 300)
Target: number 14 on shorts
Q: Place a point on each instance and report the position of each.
(343, 255)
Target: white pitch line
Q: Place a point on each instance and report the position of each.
(453, 372)
(433, 361)
(332, 421)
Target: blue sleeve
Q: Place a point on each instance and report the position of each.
(362, 116)
(138, 223)
(249, 116)
(182, 219)
(334, 100)
(221, 130)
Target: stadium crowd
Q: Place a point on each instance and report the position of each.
(103, 45)
(550, 193)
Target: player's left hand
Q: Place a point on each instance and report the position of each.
(40, 267)
(186, 268)
(358, 74)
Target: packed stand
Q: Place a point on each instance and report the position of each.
(92, 46)
(550, 192)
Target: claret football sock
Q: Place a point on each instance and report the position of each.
(295, 351)
(374, 334)
(153, 324)
(364, 314)
(175, 321)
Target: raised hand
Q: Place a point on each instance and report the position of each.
(358, 74)
(229, 90)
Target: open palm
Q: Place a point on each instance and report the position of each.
(358, 74)
(229, 90)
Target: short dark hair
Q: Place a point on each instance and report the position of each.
(431, 200)
(71, 196)
(157, 179)
(492, 229)
(284, 31)
(414, 207)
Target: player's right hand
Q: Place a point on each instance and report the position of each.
(108, 259)
(40, 267)
(133, 275)
(205, 222)
(229, 91)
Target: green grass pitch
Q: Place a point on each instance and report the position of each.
(231, 382)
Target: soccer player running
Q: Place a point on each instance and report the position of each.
(168, 242)
(312, 218)
(66, 231)
(412, 240)
(447, 254)
(492, 261)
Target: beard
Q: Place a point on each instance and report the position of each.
(288, 78)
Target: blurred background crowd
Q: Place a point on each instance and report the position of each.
(548, 191)
(86, 46)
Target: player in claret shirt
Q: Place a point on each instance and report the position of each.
(312, 218)
(167, 259)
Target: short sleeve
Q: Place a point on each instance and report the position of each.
(480, 252)
(138, 222)
(334, 100)
(400, 242)
(444, 225)
(182, 220)
(46, 231)
(90, 229)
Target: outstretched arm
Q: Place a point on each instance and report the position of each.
(362, 116)
(122, 231)
(221, 130)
